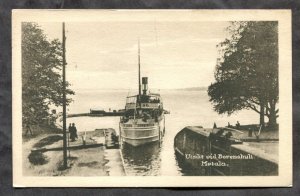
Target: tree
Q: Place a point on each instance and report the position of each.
(41, 74)
(247, 71)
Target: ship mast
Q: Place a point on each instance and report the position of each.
(139, 62)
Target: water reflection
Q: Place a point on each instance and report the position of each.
(187, 169)
(142, 160)
(187, 108)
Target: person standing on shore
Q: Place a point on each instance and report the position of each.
(28, 129)
(215, 125)
(70, 130)
(238, 125)
(74, 132)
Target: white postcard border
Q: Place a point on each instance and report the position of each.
(284, 179)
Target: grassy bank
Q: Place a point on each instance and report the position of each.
(81, 162)
(266, 133)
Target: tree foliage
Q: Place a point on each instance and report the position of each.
(41, 74)
(247, 71)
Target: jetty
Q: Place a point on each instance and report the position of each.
(226, 152)
(103, 139)
(97, 113)
(103, 113)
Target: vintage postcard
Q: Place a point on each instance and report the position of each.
(152, 98)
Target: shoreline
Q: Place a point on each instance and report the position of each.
(42, 156)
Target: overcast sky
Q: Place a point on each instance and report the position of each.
(103, 55)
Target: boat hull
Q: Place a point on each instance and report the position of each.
(139, 142)
(136, 135)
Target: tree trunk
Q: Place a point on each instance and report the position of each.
(273, 116)
(262, 115)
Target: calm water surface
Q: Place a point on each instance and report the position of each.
(188, 108)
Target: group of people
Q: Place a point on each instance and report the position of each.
(73, 132)
(237, 125)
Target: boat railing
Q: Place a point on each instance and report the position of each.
(144, 106)
(138, 125)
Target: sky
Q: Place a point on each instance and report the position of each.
(104, 55)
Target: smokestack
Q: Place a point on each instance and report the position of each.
(145, 85)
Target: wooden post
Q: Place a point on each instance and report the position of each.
(64, 97)
(120, 137)
(159, 135)
(68, 135)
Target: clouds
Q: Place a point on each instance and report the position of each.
(106, 53)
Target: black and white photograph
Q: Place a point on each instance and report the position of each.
(152, 98)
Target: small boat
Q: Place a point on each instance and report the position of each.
(143, 120)
(97, 111)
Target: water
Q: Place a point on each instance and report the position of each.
(187, 108)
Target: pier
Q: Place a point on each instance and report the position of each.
(88, 150)
(226, 152)
(96, 114)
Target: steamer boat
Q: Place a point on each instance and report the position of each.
(143, 120)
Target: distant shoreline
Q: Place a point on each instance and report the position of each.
(193, 89)
(153, 89)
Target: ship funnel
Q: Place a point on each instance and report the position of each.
(145, 85)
